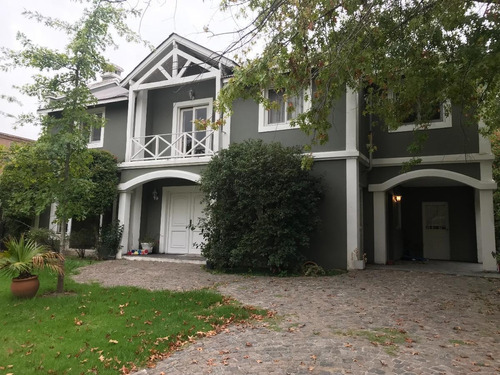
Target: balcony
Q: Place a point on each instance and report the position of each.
(173, 146)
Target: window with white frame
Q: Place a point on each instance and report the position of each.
(189, 140)
(96, 137)
(439, 119)
(287, 109)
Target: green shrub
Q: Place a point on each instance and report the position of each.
(82, 239)
(261, 207)
(109, 241)
(45, 237)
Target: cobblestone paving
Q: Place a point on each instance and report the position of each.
(364, 322)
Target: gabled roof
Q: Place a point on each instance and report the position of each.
(206, 58)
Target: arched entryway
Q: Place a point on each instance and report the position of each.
(440, 215)
(160, 204)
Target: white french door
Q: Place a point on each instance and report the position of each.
(181, 210)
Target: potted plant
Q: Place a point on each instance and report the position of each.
(147, 244)
(19, 261)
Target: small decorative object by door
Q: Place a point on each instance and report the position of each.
(147, 245)
(21, 259)
(358, 264)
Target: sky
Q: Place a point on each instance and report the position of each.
(188, 18)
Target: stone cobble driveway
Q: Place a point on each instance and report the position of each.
(363, 322)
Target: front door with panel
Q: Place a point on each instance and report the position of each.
(436, 231)
(183, 210)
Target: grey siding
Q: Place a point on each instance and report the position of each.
(458, 139)
(161, 104)
(381, 174)
(245, 125)
(115, 131)
(330, 243)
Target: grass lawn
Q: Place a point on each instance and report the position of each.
(96, 330)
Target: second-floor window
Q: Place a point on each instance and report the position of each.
(286, 109)
(96, 137)
(189, 140)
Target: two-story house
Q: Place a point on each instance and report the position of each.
(441, 209)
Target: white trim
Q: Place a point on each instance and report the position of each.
(156, 175)
(46, 111)
(441, 173)
(352, 123)
(352, 212)
(485, 229)
(174, 38)
(264, 114)
(100, 142)
(130, 123)
(445, 122)
(180, 162)
(434, 159)
(174, 81)
(124, 219)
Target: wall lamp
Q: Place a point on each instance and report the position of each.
(396, 198)
(155, 194)
(191, 94)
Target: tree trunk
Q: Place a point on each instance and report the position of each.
(62, 246)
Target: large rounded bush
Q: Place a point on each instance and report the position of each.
(261, 207)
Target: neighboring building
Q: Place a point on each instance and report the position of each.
(7, 139)
(442, 209)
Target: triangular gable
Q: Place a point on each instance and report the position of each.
(176, 59)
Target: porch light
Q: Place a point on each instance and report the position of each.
(396, 198)
(191, 94)
(155, 194)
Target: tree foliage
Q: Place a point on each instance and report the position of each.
(404, 55)
(29, 175)
(261, 207)
(61, 87)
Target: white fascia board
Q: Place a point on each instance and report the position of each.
(434, 159)
(105, 101)
(164, 163)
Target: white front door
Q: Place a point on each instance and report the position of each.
(181, 210)
(436, 233)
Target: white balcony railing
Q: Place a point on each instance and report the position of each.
(173, 145)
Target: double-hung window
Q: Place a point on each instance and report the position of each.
(96, 137)
(438, 119)
(285, 108)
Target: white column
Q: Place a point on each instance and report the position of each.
(485, 229)
(140, 120)
(135, 217)
(217, 142)
(479, 243)
(380, 226)
(352, 180)
(353, 211)
(124, 219)
(130, 121)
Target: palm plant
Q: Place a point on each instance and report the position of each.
(24, 256)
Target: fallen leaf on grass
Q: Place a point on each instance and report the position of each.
(113, 341)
